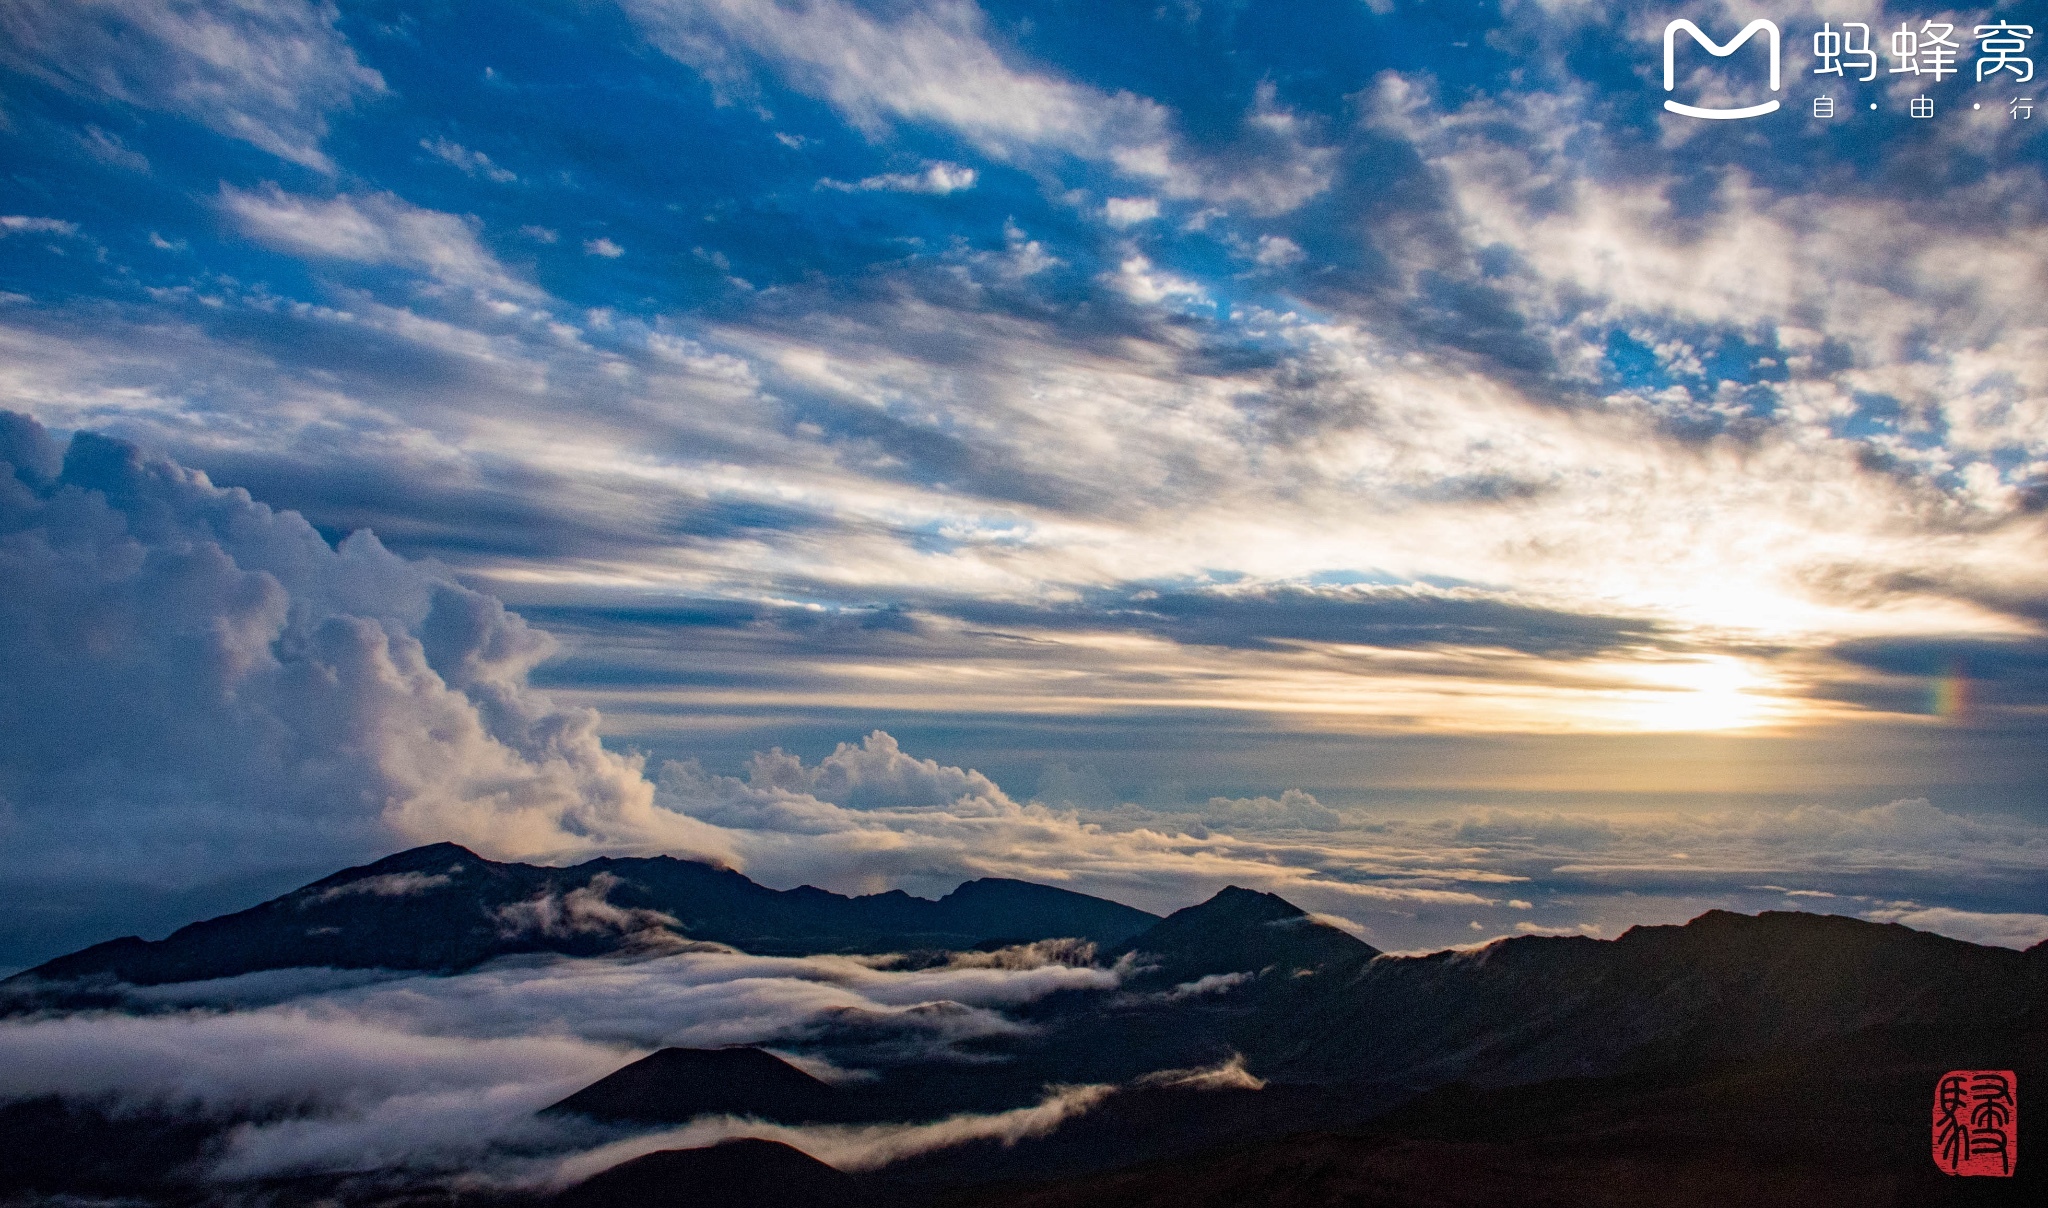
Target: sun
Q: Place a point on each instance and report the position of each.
(1715, 692)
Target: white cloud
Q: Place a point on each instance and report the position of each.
(473, 163)
(1139, 280)
(1129, 211)
(1277, 251)
(389, 885)
(22, 224)
(109, 149)
(937, 179)
(603, 247)
(1292, 809)
(256, 698)
(2005, 930)
(934, 63)
(373, 228)
(446, 1073)
(1867, 280)
(852, 1147)
(872, 816)
(1592, 929)
(583, 911)
(931, 63)
(268, 74)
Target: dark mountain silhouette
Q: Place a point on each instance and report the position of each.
(1750, 1060)
(1845, 1127)
(736, 1174)
(444, 908)
(674, 1085)
(1243, 931)
(1721, 987)
(52, 1148)
(1778, 1059)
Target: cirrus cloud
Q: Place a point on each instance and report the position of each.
(265, 73)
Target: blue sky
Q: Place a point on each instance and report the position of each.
(1226, 428)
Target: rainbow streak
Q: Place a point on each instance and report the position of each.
(1949, 695)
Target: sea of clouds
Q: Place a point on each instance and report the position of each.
(326, 1072)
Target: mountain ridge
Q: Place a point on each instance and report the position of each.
(442, 908)
(1240, 931)
(1243, 1021)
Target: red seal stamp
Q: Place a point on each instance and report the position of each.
(1977, 1122)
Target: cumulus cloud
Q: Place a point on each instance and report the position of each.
(1277, 251)
(199, 682)
(266, 73)
(872, 774)
(872, 815)
(372, 228)
(1138, 279)
(1129, 211)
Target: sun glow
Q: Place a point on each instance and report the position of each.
(1707, 694)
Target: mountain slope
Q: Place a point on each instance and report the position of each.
(1784, 1059)
(1776, 1059)
(1720, 987)
(1242, 931)
(735, 1174)
(1844, 1126)
(673, 1086)
(444, 908)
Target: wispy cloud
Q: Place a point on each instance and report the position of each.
(937, 179)
(472, 163)
(267, 75)
(375, 229)
(936, 63)
(851, 1147)
(24, 224)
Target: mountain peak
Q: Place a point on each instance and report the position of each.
(738, 1173)
(1248, 905)
(991, 900)
(674, 1085)
(1244, 931)
(437, 856)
